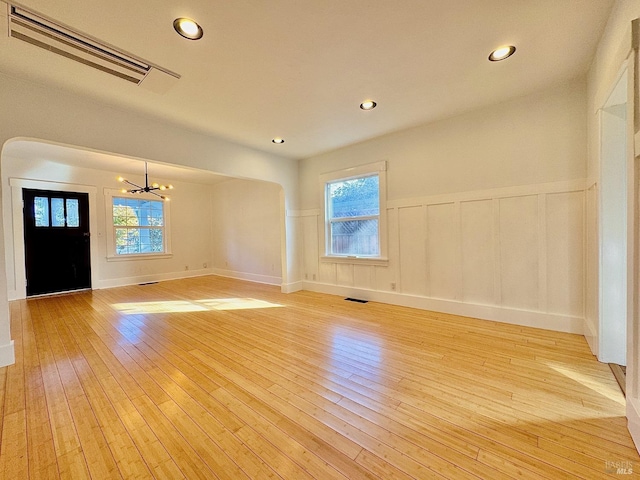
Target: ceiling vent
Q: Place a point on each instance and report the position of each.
(42, 32)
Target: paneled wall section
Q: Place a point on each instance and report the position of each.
(496, 253)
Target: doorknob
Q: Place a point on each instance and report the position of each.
(87, 234)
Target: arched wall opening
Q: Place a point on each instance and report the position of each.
(218, 225)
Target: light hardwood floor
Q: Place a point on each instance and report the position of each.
(217, 378)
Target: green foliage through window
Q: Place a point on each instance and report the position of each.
(139, 226)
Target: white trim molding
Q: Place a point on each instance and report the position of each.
(19, 289)
(160, 277)
(291, 287)
(526, 318)
(378, 169)
(251, 277)
(7, 354)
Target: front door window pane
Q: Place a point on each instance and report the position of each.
(57, 212)
(41, 211)
(73, 218)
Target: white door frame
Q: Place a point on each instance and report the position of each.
(633, 243)
(19, 290)
(613, 225)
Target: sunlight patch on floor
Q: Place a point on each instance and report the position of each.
(610, 392)
(181, 306)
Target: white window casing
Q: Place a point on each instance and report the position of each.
(112, 254)
(360, 172)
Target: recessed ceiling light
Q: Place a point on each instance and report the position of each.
(188, 28)
(502, 53)
(278, 140)
(368, 105)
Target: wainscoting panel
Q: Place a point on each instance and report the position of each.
(443, 251)
(344, 274)
(565, 253)
(513, 254)
(310, 253)
(519, 252)
(363, 276)
(477, 252)
(413, 264)
(327, 273)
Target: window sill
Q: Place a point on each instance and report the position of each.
(141, 256)
(377, 261)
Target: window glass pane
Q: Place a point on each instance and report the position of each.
(355, 237)
(354, 198)
(145, 242)
(57, 212)
(121, 240)
(156, 237)
(41, 211)
(128, 213)
(156, 219)
(73, 218)
(124, 214)
(127, 240)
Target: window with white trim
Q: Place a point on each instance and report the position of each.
(355, 208)
(139, 226)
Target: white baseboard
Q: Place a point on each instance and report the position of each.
(590, 334)
(291, 287)
(7, 354)
(633, 420)
(125, 281)
(158, 277)
(547, 321)
(251, 277)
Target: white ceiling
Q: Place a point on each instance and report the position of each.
(299, 69)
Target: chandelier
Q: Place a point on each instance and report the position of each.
(147, 188)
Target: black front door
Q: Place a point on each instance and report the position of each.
(56, 239)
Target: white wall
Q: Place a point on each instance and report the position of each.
(190, 227)
(486, 213)
(540, 138)
(603, 75)
(37, 112)
(612, 57)
(246, 219)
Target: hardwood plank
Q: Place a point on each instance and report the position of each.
(155, 382)
(41, 449)
(13, 458)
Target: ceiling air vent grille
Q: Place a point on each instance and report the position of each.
(42, 32)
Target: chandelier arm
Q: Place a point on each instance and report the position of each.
(131, 183)
(158, 195)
